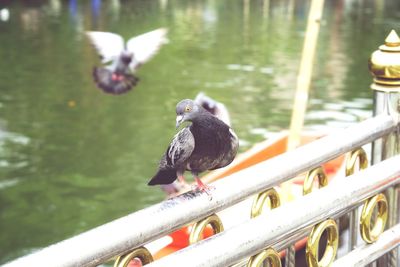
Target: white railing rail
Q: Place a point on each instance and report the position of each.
(368, 253)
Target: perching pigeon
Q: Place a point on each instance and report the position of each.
(118, 76)
(216, 108)
(206, 144)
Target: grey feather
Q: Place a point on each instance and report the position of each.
(181, 147)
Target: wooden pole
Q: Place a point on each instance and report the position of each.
(305, 73)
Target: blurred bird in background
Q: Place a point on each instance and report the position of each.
(122, 60)
(216, 108)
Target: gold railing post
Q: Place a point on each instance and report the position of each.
(312, 247)
(139, 254)
(384, 66)
(196, 234)
(356, 156)
(258, 207)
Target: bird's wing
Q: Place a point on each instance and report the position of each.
(109, 45)
(230, 150)
(180, 148)
(145, 46)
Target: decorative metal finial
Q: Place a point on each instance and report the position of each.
(392, 40)
(384, 65)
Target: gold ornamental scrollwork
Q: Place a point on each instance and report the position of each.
(269, 254)
(142, 253)
(198, 228)
(369, 234)
(354, 156)
(317, 173)
(312, 248)
(260, 200)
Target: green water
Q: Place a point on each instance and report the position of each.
(72, 157)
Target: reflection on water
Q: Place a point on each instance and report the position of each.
(72, 158)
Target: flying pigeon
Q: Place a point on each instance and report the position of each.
(123, 60)
(206, 144)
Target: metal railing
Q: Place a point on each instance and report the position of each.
(256, 236)
(282, 223)
(102, 243)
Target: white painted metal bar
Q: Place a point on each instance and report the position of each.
(244, 240)
(100, 244)
(368, 253)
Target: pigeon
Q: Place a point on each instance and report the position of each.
(206, 144)
(216, 108)
(123, 60)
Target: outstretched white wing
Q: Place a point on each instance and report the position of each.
(109, 45)
(145, 46)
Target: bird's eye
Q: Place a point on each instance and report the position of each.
(188, 108)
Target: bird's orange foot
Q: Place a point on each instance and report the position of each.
(114, 77)
(204, 187)
(117, 77)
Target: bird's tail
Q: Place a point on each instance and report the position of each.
(164, 176)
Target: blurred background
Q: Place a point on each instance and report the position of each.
(72, 157)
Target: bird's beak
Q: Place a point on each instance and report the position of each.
(179, 120)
